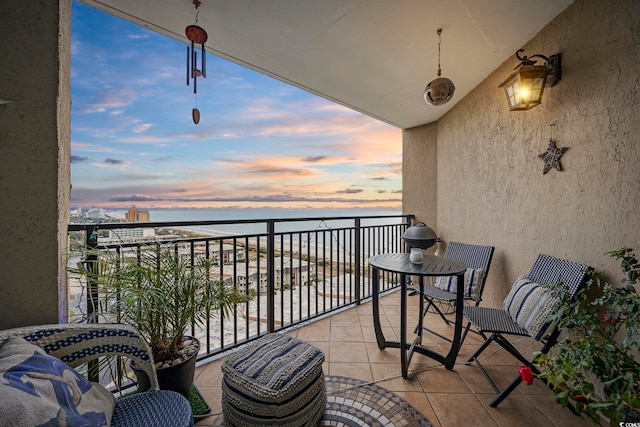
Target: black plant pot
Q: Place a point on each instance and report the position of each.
(177, 378)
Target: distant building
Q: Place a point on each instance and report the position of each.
(132, 233)
(289, 272)
(134, 215)
(95, 213)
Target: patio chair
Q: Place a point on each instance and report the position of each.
(525, 313)
(477, 258)
(27, 372)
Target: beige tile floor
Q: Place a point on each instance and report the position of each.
(448, 398)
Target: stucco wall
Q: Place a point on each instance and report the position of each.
(34, 159)
(490, 186)
(419, 173)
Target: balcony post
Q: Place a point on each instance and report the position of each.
(91, 265)
(271, 275)
(358, 254)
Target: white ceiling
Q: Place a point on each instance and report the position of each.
(374, 56)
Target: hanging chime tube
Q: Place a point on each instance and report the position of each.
(188, 55)
(204, 62)
(193, 60)
(195, 67)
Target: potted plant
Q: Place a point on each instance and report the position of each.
(159, 291)
(597, 365)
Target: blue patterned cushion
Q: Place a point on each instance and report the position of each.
(529, 304)
(277, 380)
(473, 279)
(38, 389)
(157, 408)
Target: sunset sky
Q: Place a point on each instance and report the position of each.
(260, 142)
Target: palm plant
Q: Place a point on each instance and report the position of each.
(161, 293)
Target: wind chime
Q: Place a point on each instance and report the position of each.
(198, 36)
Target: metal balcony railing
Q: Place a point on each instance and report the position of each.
(297, 270)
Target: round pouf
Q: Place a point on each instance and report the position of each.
(275, 381)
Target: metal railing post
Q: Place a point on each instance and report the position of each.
(91, 266)
(358, 254)
(271, 276)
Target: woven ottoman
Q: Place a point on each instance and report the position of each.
(275, 381)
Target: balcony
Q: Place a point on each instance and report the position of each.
(447, 398)
(304, 284)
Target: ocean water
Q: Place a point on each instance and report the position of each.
(317, 218)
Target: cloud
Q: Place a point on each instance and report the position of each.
(136, 198)
(138, 36)
(164, 159)
(278, 170)
(109, 100)
(141, 128)
(78, 159)
(112, 161)
(350, 191)
(279, 198)
(141, 176)
(313, 159)
(395, 168)
(94, 148)
(90, 110)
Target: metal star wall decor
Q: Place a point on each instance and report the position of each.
(551, 157)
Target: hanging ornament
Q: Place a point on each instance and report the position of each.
(198, 36)
(440, 90)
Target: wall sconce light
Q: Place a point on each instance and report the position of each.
(524, 87)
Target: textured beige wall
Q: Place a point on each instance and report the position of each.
(490, 186)
(34, 159)
(419, 173)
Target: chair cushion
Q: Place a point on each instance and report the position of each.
(488, 319)
(473, 279)
(154, 408)
(36, 389)
(529, 304)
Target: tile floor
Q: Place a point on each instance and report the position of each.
(448, 398)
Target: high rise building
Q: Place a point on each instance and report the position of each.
(134, 215)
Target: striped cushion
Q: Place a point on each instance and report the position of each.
(472, 283)
(277, 380)
(529, 304)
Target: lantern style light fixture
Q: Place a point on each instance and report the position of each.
(440, 90)
(525, 86)
(198, 36)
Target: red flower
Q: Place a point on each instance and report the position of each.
(580, 398)
(526, 374)
(608, 319)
